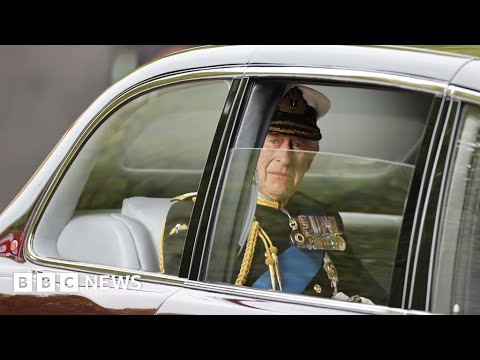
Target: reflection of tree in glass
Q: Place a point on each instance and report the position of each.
(107, 186)
(358, 184)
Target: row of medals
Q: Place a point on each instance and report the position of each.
(312, 240)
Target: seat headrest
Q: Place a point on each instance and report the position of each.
(152, 212)
(108, 239)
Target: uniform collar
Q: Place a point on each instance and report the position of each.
(266, 201)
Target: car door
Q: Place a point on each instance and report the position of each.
(375, 152)
(449, 250)
(96, 229)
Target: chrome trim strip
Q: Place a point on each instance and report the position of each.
(298, 299)
(227, 73)
(425, 202)
(417, 209)
(439, 213)
(353, 76)
(466, 95)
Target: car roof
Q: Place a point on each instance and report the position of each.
(401, 60)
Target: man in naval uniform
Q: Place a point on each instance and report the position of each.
(295, 244)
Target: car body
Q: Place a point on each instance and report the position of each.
(398, 160)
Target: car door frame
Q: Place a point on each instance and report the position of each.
(203, 237)
(153, 283)
(425, 220)
(420, 297)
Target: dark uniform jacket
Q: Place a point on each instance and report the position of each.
(353, 279)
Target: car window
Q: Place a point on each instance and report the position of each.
(456, 276)
(111, 204)
(355, 190)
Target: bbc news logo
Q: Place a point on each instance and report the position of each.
(69, 282)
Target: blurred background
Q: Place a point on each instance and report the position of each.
(44, 88)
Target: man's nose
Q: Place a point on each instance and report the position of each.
(283, 154)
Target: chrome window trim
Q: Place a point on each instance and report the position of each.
(464, 95)
(352, 76)
(417, 208)
(428, 192)
(440, 207)
(297, 299)
(125, 96)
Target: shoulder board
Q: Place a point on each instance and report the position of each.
(191, 195)
(268, 203)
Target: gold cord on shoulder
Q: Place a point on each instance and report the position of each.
(248, 256)
(271, 258)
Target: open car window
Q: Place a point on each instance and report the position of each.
(358, 184)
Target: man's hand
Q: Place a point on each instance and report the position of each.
(355, 298)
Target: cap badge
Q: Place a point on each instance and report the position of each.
(293, 102)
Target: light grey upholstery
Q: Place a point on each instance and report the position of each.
(63, 203)
(108, 239)
(152, 212)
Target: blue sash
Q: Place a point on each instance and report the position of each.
(297, 268)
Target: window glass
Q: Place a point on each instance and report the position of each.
(336, 233)
(456, 277)
(110, 207)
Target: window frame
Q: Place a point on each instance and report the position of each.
(232, 74)
(424, 227)
(329, 76)
(463, 97)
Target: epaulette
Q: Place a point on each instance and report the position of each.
(268, 203)
(178, 228)
(191, 195)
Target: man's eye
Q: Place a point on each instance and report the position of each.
(298, 145)
(273, 141)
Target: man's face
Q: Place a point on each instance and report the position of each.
(281, 170)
